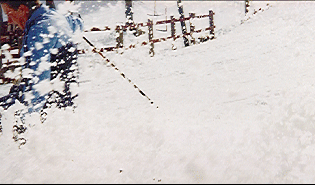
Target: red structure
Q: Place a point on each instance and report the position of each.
(11, 35)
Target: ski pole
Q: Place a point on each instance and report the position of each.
(121, 73)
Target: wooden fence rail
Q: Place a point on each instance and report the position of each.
(8, 66)
(119, 39)
(138, 25)
(171, 21)
(11, 65)
(119, 30)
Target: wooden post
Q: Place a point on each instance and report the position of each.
(182, 21)
(10, 32)
(192, 27)
(20, 40)
(246, 6)
(1, 21)
(173, 31)
(1, 32)
(150, 27)
(165, 18)
(129, 12)
(119, 37)
(211, 13)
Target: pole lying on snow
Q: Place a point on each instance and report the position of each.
(121, 73)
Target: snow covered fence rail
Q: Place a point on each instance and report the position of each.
(13, 56)
(9, 71)
(106, 28)
(10, 67)
(136, 27)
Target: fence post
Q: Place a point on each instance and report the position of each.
(1, 32)
(192, 27)
(182, 22)
(119, 37)
(246, 6)
(150, 27)
(211, 13)
(173, 31)
(129, 12)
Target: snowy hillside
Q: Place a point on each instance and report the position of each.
(236, 109)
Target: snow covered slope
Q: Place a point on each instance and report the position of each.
(237, 109)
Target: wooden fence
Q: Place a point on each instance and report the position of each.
(120, 29)
(136, 27)
(151, 40)
(9, 66)
(12, 36)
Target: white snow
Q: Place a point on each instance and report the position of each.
(236, 109)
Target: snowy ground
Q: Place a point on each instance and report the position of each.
(237, 109)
